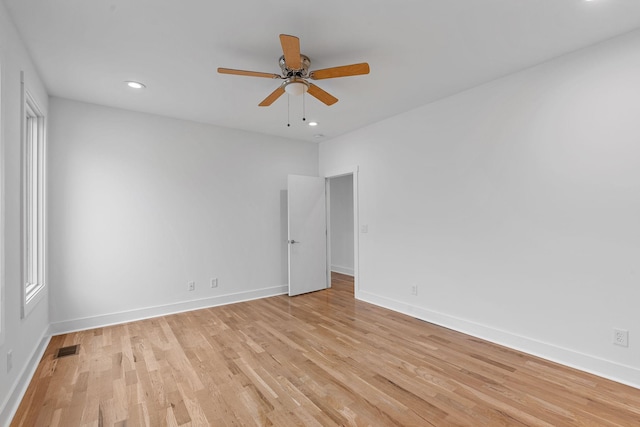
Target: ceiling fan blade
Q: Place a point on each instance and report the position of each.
(272, 97)
(343, 71)
(321, 95)
(248, 73)
(291, 50)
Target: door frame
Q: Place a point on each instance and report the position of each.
(353, 170)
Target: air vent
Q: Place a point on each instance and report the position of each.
(67, 351)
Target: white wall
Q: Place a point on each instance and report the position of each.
(514, 207)
(341, 223)
(26, 338)
(141, 204)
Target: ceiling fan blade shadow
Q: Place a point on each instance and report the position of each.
(272, 97)
(321, 95)
(248, 73)
(291, 51)
(343, 71)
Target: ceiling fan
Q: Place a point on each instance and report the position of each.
(296, 74)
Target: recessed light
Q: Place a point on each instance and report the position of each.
(135, 85)
(313, 123)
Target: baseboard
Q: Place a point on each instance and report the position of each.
(19, 388)
(57, 328)
(584, 362)
(17, 391)
(342, 270)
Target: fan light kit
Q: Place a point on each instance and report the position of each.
(296, 87)
(295, 74)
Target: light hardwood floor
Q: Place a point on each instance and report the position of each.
(321, 359)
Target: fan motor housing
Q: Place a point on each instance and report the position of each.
(303, 71)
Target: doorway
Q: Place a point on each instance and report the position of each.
(342, 230)
(308, 210)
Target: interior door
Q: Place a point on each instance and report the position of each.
(307, 234)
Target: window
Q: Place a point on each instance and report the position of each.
(1, 223)
(33, 191)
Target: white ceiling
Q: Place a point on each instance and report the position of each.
(418, 50)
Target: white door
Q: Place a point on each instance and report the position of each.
(307, 234)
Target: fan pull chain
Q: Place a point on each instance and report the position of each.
(304, 112)
(288, 110)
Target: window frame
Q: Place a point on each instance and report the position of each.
(33, 141)
(2, 233)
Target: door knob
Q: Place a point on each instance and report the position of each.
(292, 241)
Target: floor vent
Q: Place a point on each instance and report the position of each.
(67, 351)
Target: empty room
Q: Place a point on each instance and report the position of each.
(338, 213)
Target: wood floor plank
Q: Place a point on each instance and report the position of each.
(320, 359)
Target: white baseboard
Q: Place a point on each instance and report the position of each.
(17, 391)
(603, 368)
(594, 365)
(57, 328)
(19, 388)
(342, 270)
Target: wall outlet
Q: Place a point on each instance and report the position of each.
(414, 289)
(621, 337)
(192, 286)
(214, 282)
(9, 360)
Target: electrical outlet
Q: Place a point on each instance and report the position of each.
(214, 283)
(414, 289)
(192, 286)
(9, 360)
(621, 337)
